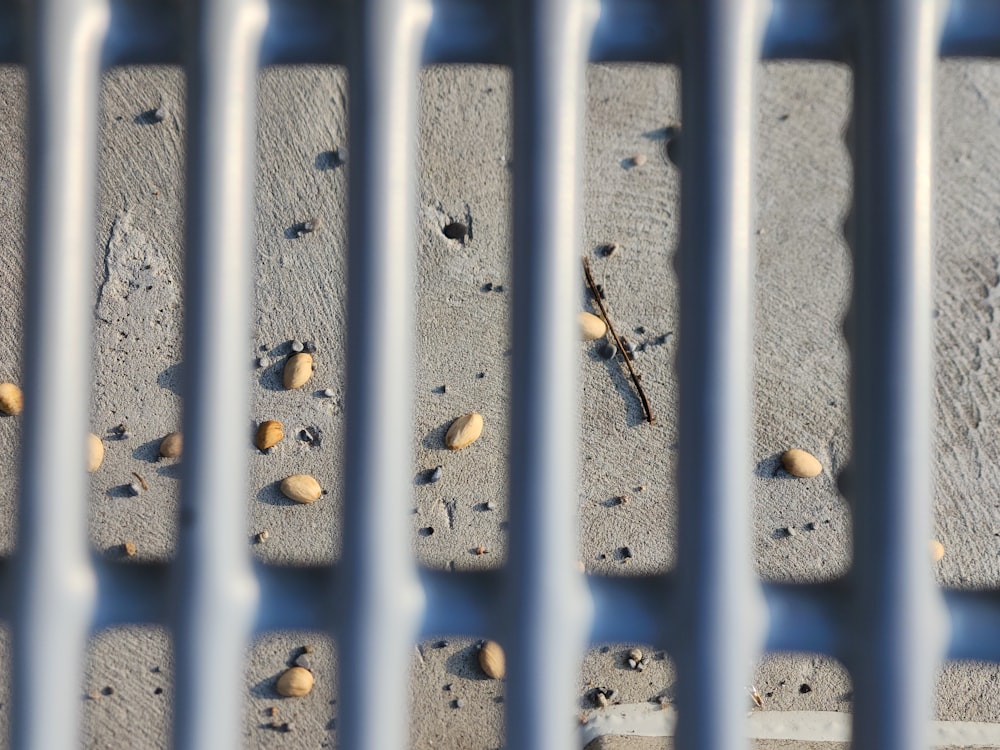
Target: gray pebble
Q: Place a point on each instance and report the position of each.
(309, 347)
(498, 288)
(328, 393)
(297, 346)
(159, 114)
(447, 687)
(490, 505)
(632, 663)
(134, 489)
(811, 526)
(305, 661)
(435, 475)
(607, 351)
(458, 703)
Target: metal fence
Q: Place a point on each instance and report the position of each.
(886, 620)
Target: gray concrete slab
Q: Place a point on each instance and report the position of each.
(800, 374)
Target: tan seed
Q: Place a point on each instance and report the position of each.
(298, 370)
(295, 682)
(591, 326)
(95, 452)
(937, 550)
(800, 463)
(171, 445)
(129, 549)
(11, 399)
(269, 434)
(464, 431)
(492, 661)
(301, 488)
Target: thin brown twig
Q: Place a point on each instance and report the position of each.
(607, 319)
(141, 481)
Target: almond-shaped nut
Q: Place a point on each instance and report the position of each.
(171, 445)
(464, 431)
(298, 370)
(937, 550)
(11, 399)
(800, 463)
(295, 682)
(591, 326)
(301, 488)
(95, 452)
(492, 661)
(269, 434)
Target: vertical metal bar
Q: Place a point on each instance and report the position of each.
(215, 590)
(547, 600)
(383, 603)
(897, 615)
(722, 617)
(55, 581)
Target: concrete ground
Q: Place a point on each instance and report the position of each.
(800, 374)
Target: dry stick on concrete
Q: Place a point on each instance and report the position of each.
(618, 342)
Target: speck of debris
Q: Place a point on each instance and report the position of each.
(804, 688)
(498, 288)
(607, 351)
(480, 375)
(108, 690)
(488, 286)
(309, 347)
(480, 550)
(440, 644)
(605, 649)
(456, 230)
(664, 338)
(129, 549)
(608, 250)
(426, 531)
(261, 536)
(600, 291)
(158, 691)
(311, 225)
(640, 330)
(447, 687)
(434, 476)
(271, 710)
(811, 526)
(625, 553)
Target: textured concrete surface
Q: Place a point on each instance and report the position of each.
(800, 367)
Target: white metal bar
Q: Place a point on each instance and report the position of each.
(55, 581)
(547, 603)
(897, 624)
(720, 604)
(215, 591)
(383, 600)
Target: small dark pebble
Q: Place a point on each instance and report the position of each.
(107, 690)
(811, 526)
(605, 649)
(628, 345)
(488, 286)
(435, 475)
(490, 505)
(625, 553)
(608, 250)
(309, 347)
(600, 291)
(455, 231)
(158, 691)
(498, 288)
(288, 727)
(447, 687)
(607, 351)
(440, 644)
(480, 375)
(803, 688)
(426, 531)
(640, 329)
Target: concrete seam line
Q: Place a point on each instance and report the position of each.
(645, 720)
